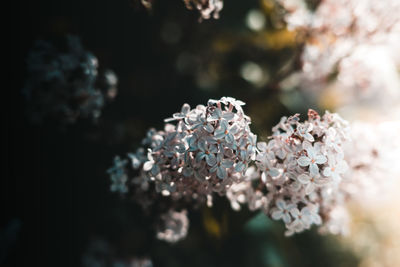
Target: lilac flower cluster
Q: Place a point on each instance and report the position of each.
(207, 8)
(64, 83)
(174, 226)
(372, 160)
(353, 41)
(300, 170)
(373, 170)
(208, 150)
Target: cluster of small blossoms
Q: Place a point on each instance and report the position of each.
(118, 175)
(373, 171)
(354, 41)
(64, 83)
(297, 15)
(300, 171)
(206, 8)
(208, 150)
(372, 160)
(247, 193)
(174, 226)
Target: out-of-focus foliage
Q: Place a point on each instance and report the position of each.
(63, 82)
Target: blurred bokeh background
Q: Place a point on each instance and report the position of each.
(65, 214)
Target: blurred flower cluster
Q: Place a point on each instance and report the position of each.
(174, 226)
(301, 170)
(351, 49)
(371, 160)
(64, 82)
(206, 8)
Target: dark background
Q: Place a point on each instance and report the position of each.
(56, 182)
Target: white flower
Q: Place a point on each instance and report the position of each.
(220, 166)
(302, 217)
(302, 220)
(335, 169)
(207, 152)
(184, 114)
(296, 152)
(202, 122)
(312, 211)
(282, 211)
(265, 161)
(313, 158)
(234, 102)
(311, 182)
(304, 131)
(138, 158)
(174, 226)
(227, 132)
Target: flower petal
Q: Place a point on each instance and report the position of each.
(281, 204)
(214, 168)
(209, 128)
(221, 172)
(185, 109)
(277, 214)
(327, 172)
(295, 212)
(148, 165)
(202, 145)
(316, 219)
(310, 188)
(228, 116)
(211, 160)
(229, 138)
(239, 167)
(303, 161)
(286, 218)
(342, 167)
(227, 163)
(304, 178)
(273, 172)
(234, 129)
(219, 133)
(321, 182)
(200, 156)
(311, 152)
(314, 169)
(320, 159)
(309, 137)
(262, 146)
(155, 169)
